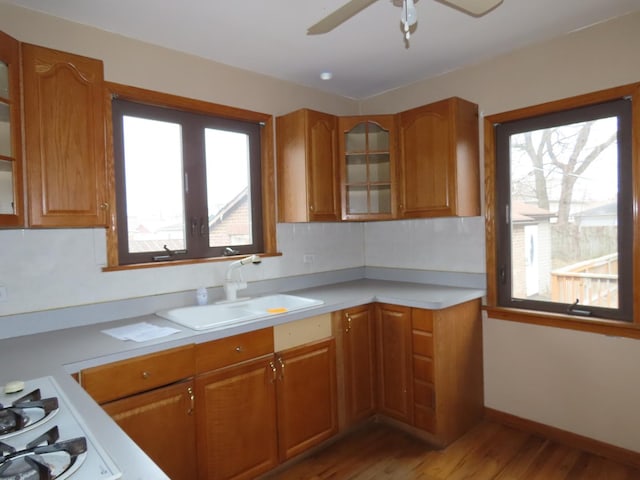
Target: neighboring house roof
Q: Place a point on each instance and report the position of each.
(220, 214)
(607, 209)
(527, 213)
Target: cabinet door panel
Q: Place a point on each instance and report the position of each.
(162, 423)
(439, 167)
(426, 152)
(237, 421)
(359, 362)
(395, 372)
(64, 138)
(322, 163)
(307, 397)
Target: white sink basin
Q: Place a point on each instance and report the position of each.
(216, 315)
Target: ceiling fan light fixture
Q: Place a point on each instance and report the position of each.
(408, 17)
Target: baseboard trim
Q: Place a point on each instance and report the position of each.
(596, 447)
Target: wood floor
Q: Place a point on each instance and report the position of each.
(489, 451)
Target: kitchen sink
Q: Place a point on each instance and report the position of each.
(203, 317)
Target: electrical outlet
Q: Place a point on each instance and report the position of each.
(308, 258)
(3, 293)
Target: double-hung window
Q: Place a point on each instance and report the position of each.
(563, 221)
(188, 185)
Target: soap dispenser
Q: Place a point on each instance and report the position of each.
(202, 296)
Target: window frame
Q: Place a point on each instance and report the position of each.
(558, 319)
(267, 188)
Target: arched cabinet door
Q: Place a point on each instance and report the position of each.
(64, 119)
(439, 160)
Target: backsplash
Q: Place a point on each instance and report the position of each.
(45, 270)
(441, 244)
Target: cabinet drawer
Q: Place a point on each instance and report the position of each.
(235, 349)
(425, 418)
(423, 369)
(422, 343)
(423, 394)
(121, 379)
(422, 320)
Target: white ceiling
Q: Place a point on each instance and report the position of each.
(367, 54)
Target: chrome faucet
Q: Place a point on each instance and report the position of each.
(232, 286)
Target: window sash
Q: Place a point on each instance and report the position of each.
(194, 173)
(620, 108)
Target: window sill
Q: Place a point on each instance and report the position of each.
(172, 263)
(557, 320)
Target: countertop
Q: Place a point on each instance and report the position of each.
(59, 353)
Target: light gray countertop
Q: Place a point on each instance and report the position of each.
(61, 352)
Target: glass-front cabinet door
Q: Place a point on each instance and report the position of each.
(11, 211)
(367, 152)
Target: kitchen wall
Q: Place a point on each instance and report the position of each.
(580, 382)
(576, 381)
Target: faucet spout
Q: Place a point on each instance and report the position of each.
(232, 286)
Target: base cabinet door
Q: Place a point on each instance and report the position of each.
(358, 340)
(162, 423)
(395, 370)
(236, 428)
(307, 397)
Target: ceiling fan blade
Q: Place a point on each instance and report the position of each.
(339, 16)
(477, 8)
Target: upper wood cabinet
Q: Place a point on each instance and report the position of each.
(368, 167)
(439, 160)
(307, 167)
(11, 196)
(64, 138)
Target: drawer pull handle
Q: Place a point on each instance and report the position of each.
(145, 374)
(239, 349)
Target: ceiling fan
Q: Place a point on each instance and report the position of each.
(475, 8)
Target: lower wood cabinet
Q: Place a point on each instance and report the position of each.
(395, 371)
(162, 423)
(355, 330)
(236, 431)
(448, 392)
(253, 414)
(428, 367)
(307, 397)
(248, 409)
(151, 397)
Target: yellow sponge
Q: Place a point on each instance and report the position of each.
(276, 310)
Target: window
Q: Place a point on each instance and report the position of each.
(560, 187)
(188, 185)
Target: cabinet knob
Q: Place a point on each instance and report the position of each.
(311, 208)
(146, 374)
(238, 349)
(104, 206)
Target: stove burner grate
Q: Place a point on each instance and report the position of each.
(26, 411)
(44, 458)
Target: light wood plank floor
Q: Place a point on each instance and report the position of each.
(488, 452)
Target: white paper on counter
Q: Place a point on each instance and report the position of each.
(140, 332)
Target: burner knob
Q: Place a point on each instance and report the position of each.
(13, 387)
